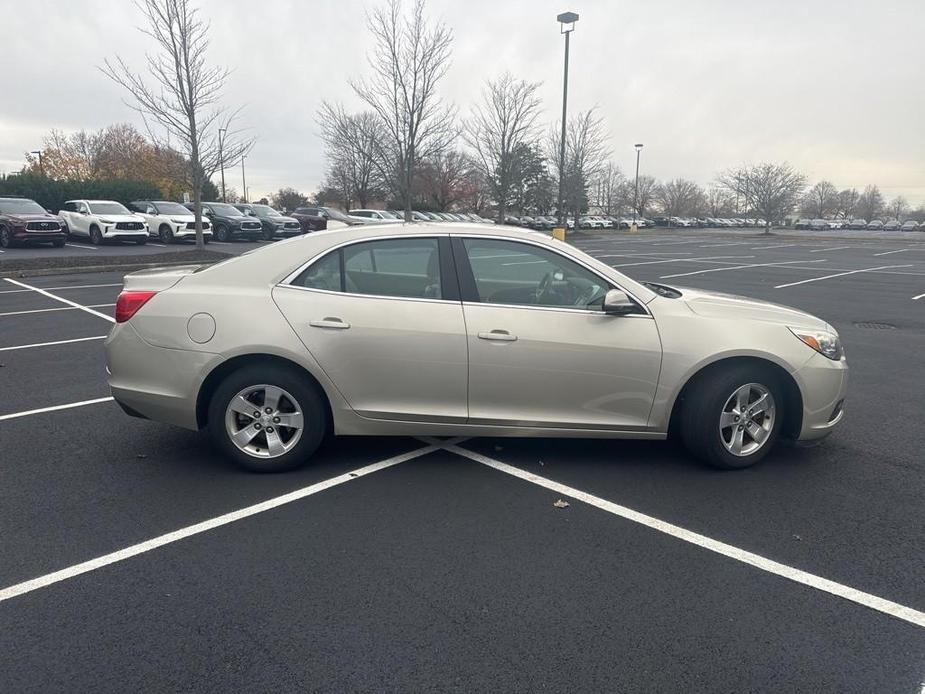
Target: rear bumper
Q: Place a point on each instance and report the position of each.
(824, 385)
(155, 382)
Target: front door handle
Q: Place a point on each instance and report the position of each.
(498, 336)
(331, 322)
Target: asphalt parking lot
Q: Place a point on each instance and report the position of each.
(133, 558)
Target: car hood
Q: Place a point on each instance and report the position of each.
(35, 217)
(719, 305)
(280, 220)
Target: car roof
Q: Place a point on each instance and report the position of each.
(273, 262)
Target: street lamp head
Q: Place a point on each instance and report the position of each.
(567, 18)
(638, 146)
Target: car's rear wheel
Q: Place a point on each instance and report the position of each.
(96, 236)
(731, 418)
(267, 418)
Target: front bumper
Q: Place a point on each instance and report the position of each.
(110, 232)
(824, 384)
(30, 235)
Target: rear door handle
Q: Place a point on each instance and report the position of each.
(498, 336)
(330, 322)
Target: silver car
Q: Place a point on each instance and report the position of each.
(462, 331)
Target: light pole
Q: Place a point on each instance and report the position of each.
(221, 159)
(566, 26)
(636, 192)
(41, 167)
(243, 180)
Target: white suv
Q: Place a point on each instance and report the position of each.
(101, 220)
(170, 221)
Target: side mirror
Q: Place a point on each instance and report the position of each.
(617, 303)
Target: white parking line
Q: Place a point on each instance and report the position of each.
(834, 248)
(210, 524)
(738, 267)
(776, 245)
(901, 250)
(53, 408)
(49, 310)
(920, 296)
(76, 245)
(70, 286)
(717, 245)
(805, 578)
(839, 274)
(159, 245)
(707, 259)
(49, 344)
(62, 300)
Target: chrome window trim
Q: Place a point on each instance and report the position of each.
(368, 296)
(288, 279)
(560, 309)
(590, 269)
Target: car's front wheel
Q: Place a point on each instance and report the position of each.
(6, 239)
(731, 418)
(221, 233)
(267, 418)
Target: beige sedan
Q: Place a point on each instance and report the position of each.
(423, 329)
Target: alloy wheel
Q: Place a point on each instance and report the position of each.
(747, 419)
(264, 421)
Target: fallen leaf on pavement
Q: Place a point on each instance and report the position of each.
(561, 504)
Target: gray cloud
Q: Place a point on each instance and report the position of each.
(834, 88)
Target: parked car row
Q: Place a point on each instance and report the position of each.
(873, 225)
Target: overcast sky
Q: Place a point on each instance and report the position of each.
(837, 88)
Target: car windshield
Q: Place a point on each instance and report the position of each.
(265, 211)
(20, 207)
(108, 208)
(171, 208)
(225, 210)
(387, 214)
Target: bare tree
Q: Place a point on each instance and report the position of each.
(870, 203)
(770, 190)
(409, 59)
(611, 189)
(178, 94)
(586, 153)
(821, 201)
(898, 207)
(505, 120)
(679, 197)
(846, 203)
(645, 195)
(357, 142)
(443, 179)
(719, 203)
(288, 199)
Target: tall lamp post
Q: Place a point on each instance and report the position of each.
(221, 159)
(243, 180)
(566, 26)
(41, 166)
(638, 147)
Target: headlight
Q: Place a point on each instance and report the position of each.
(105, 221)
(823, 341)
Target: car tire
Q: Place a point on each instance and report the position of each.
(713, 400)
(268, 234)
(6, 240)
(96, 236)
(221, 233)
(165, 233)
(58, 244)
(142, 241)
(298, 394)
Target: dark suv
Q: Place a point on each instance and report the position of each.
(25, 221)
(274, 223)
(228, 222)
(311, 218)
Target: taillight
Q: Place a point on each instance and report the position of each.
(128, 303)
